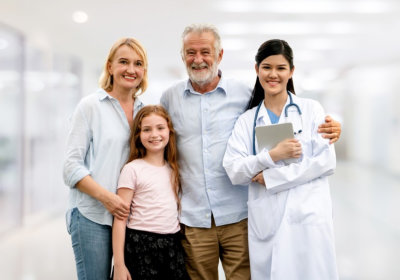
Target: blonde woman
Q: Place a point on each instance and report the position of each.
(97, 148)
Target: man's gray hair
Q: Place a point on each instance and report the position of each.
(202, 28)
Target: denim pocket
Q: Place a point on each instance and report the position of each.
(68, 218)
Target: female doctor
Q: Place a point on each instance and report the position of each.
(290, 216)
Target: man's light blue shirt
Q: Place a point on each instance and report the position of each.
(97, 145)
(203, 125)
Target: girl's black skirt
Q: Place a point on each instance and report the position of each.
(152, 256)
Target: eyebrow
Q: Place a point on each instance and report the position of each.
(124, 58)
(154, 125)
(201, 49)
(265, 63)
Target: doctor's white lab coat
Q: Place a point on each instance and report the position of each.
(290, 219)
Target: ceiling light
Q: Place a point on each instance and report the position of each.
(80, 17)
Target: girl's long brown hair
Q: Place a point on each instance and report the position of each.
(137, 150)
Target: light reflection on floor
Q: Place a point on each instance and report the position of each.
(366, 217)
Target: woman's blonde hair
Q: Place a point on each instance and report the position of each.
(106, 80)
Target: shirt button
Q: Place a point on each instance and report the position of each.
(207, 215)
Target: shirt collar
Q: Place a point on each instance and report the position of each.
(263, 114)
(138, 104)
(222, 84)
(104, 95)
(262, 117)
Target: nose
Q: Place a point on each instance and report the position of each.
(131, 68)
(153, 133)
(198, 58)
(272, 72)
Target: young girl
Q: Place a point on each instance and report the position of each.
(147, 245)
(290, 215)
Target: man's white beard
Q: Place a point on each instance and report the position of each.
(205, 77)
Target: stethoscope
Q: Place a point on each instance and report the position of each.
(298, 132)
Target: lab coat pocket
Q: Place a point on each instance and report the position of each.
(307, 204)
(263, 217)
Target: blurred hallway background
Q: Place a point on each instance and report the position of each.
(51, 55)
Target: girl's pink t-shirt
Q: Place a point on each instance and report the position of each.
(154, 206)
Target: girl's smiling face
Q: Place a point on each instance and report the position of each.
(154, 133)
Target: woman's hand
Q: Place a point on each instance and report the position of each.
(112, 202)
(121, 273)
(288, 148)
(331, 129)
(116, 205)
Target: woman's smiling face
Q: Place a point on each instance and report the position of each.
(274, 73)
(127, 68)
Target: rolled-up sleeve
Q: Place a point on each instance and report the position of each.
(77, 147)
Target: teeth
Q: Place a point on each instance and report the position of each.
(200, 66)
(131, 78)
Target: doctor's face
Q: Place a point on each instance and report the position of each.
(274, 73)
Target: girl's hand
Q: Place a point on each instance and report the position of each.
(116, 205)
(331, 129)
(288, 148)
(121, 273)
(259, 178)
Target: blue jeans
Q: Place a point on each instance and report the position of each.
(92, 247)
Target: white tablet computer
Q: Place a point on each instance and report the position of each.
(269, 136)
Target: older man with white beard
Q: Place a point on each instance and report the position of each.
(204, 109)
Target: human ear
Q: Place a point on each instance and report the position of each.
(256, 68)
(220, 55)
(109, 68)
(291, 72)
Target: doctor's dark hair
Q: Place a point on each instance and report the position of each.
(268, 48)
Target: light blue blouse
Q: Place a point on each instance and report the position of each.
(97, 145)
